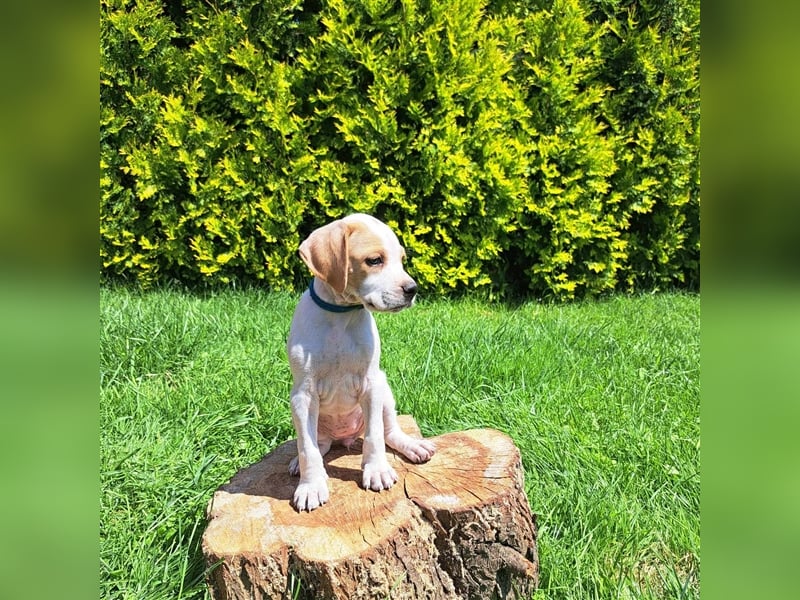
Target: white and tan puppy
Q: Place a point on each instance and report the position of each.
(339, 391)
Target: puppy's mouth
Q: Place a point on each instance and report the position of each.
(389, 306)
(391, 309)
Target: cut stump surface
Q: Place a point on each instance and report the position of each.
(458, 526)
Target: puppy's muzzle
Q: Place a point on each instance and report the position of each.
(410, 290)
(398, 299)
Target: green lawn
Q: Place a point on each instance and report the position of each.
(601, 397)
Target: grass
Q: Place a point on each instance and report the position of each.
(602, 399)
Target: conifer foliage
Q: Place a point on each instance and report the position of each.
(548, 147)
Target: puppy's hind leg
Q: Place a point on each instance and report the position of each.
(415, 450)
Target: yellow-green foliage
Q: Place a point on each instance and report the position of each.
(548, 147)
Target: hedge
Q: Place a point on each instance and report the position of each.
(547, 148)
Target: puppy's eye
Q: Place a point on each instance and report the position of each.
(374, 262)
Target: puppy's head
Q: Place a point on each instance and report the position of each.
(362, 260)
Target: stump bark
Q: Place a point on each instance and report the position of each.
(458, 526)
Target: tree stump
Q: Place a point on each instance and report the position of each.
(458, 526)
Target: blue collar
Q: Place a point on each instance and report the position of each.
(334, 308)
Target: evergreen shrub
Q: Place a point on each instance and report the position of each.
(546, 147)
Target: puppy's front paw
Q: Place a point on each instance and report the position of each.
(380, 476)
(311, 494)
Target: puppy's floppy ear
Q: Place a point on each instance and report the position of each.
(325, 252)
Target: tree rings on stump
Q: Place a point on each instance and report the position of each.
(458, 526)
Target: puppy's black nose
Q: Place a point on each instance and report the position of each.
(410, 289)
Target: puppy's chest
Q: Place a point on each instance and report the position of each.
(341, 366)
(344, 350)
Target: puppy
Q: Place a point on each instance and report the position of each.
(339, 392)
